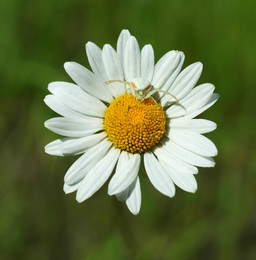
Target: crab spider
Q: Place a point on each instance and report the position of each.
(141, 88)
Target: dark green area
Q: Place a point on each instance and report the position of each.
(38, 221)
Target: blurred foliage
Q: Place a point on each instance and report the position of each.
(38, 221)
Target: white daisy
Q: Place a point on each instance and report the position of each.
(119, 128)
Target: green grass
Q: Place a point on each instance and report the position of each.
(38, 221)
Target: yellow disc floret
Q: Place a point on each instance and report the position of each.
(134, 125)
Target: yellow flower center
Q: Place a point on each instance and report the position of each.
(134, 125)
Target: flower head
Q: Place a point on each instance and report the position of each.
(128, 112)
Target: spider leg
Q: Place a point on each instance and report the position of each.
(115, 80)
(150, 93)
(121, 81)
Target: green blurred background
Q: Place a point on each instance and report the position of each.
(38, 221)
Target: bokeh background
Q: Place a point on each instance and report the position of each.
(38, 221)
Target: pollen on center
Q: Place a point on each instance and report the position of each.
(134, 125)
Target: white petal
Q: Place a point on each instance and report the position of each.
(132, 59)
(196, 98)
(132, 196)
(86, 162)
(158, 175)
(74, 127)
(126, 171)
(113, 69)
(164, 68)
(204, 107)
(165, 98)
(94, 55)
(187, 182)
(171, 159)
(112, 63)
(75, 98)
(98, 175)
(73, 146)
(200, 126)
(121, 43)
(193, 142)
(122, 196)
(133, 201)
(162, 60)
(70, 188)
(54, 103)
(88, 81)
(186, 80)
(188, 156)
(147, 62)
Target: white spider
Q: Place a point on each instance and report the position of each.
(141, 88)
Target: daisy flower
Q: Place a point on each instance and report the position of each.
(129, 113)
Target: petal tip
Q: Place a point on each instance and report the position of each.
(111, 191)
(46, 123)
(79, 198)
(199, 64)
(51, 87)
(46, 98)
(217, 95)
(126, 31)
(89, 43)
(68, 64)
(135, 212)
